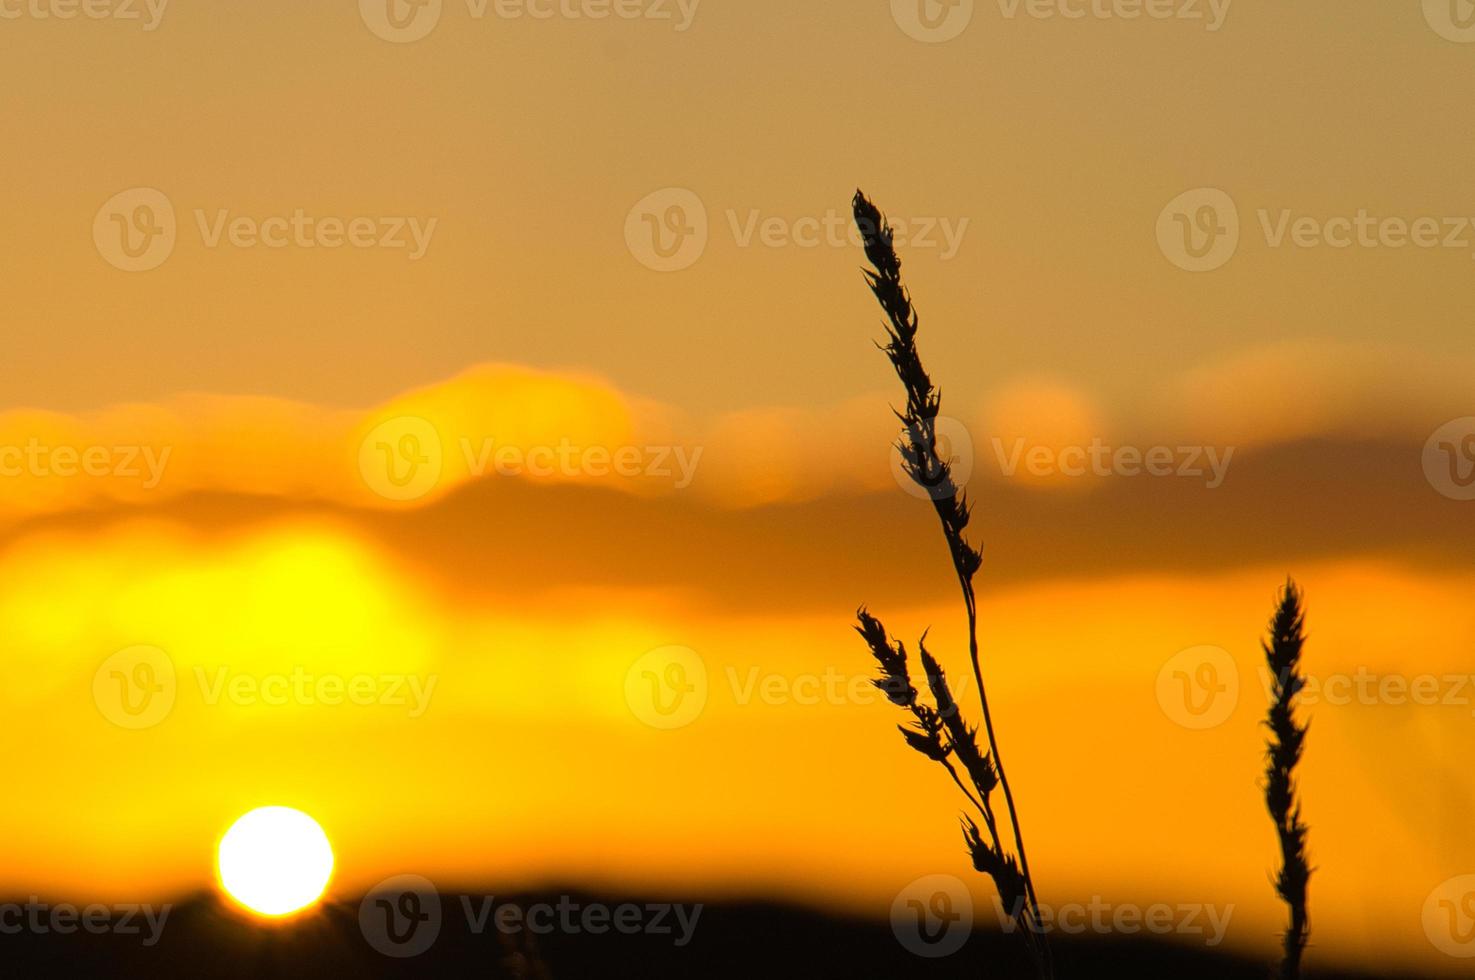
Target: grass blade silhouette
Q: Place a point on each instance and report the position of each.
(940, 732)
(1287, 739)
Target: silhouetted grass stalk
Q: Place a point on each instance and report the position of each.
(940, 733)
(1283, 653)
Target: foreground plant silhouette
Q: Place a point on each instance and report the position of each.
(939, 731)
(1287, 738)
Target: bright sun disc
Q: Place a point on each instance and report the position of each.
(275, 860)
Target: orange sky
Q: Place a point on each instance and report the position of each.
(502, 465)
(502, 624)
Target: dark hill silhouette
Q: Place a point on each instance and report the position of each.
(204, 938)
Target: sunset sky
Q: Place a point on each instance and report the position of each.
(505, 462)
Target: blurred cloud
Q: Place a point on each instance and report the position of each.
(502, 421)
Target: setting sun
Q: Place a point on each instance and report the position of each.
(275, 860)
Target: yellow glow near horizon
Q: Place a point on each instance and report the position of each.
(275, 860)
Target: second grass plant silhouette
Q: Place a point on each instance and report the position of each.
(1287, 739)
(938, 730)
